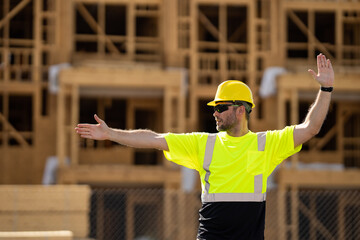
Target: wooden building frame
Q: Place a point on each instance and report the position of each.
(291, 89)
(74, 82)
(171, 55)
(225, 58)
(24, 63)
(338, 46)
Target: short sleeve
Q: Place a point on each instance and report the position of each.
(183, 149)
(280, 144)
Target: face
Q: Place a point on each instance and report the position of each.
(225, 116)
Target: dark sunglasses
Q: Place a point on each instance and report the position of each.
(223, 107)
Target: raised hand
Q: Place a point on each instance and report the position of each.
(98, 131)
(325, 75)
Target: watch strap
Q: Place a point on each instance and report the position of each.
(326, 89)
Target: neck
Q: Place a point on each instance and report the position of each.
(239, 130)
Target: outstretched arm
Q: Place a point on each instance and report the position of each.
(141, 138)
(318, 111)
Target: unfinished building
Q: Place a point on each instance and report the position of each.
(154, 64)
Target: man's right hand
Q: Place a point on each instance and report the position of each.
(98, 131)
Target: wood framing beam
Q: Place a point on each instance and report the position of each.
(209, 26)
(320, 157)
(346, 82)
(238, 31)
(120, 1)
(13, 131)
(96, 27)
(322, 5)
(118, 77)
(308, 33)
(213, 30)
(319, 178)
(229, 2)
(122, 174)
(13, 12)
(317, 144)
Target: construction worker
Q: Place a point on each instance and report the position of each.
(234, 163)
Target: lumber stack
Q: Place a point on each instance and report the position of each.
(45, 208)
(29, 235)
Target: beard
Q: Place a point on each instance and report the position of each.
(226, 124)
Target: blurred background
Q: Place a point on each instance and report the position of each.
(155, 64)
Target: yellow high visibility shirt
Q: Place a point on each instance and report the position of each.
(235, 160)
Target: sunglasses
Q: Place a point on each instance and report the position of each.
(223, 107)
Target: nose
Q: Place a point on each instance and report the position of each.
(215, 113)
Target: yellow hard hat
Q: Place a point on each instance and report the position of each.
(233, 90)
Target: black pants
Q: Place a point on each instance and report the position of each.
(232, 221)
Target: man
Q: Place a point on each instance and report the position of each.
(233, 164)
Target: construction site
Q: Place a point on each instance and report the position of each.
(154, 64)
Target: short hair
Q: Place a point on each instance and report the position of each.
(247, 106)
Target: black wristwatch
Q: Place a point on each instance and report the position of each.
(326, 89)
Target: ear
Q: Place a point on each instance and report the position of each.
(240, 111)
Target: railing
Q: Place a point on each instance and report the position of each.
(154, 214)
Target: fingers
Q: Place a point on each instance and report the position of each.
(86, 136)
(88, 125)
(322, 62)
(318, 60)
(325, 74)
(84, 125)
(312, 73)
(84, 132)
(329, 65)
(99, 120)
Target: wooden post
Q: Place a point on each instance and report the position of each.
(37, 53)
(74, 119)
(194, 64)
(282, 33)
(5, 137)
(294, 196)
(130, 26)
(340, 114)
(37, 65)
(339, 35)
(312, 46)
(6, 50)
(341, 216)
(168, 118)
(168, 218)
(251, 44)
(223, 41)
(65, 30)
(61, 147)
(170, 32)
(130, 218)
(181, 215)
(312, 223)
(100, 216)
(294, 120)
(101, 35)
(282, 223)
(281, 106)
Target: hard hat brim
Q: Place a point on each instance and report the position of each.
(212, 103)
